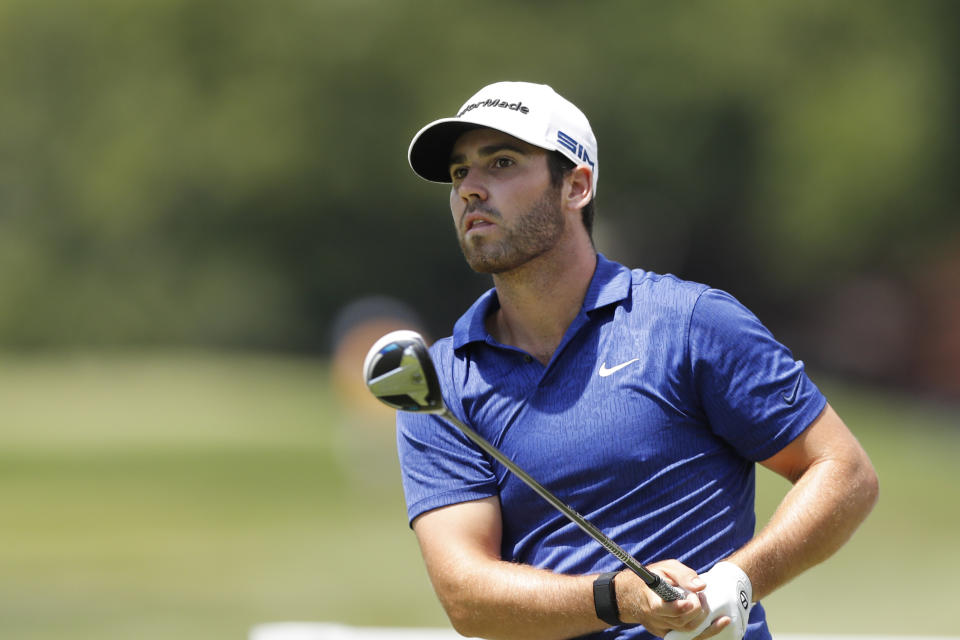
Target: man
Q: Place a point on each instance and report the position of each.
(643, 401)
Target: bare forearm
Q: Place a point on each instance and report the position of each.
(817, 516)
(485, 596)
(500, 600)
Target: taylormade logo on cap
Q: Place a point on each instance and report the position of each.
(516, 106)
(534, 113)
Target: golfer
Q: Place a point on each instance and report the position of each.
(641, 400)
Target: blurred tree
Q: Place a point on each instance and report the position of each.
(233, 173)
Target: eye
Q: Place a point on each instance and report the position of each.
(458, 173)
(503, 163)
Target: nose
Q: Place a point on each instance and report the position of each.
(472, 187)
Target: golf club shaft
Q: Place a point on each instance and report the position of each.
(652, 580)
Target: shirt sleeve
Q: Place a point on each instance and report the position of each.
(439, 465)
(755, 395)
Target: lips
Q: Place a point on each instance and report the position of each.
(475, 220)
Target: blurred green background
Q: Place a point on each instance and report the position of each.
(205, 213)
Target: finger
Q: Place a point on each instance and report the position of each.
(687, 632)
(689, 623)
(639, 605)
(688, 607)
(715, 627)
(683, 576)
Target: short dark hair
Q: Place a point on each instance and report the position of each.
(559, 166)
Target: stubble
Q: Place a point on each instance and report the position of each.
(534, 233)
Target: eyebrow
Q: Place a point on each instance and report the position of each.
(489, 150)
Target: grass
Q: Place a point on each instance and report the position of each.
(193, 495)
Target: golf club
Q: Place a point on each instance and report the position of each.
(399, 372)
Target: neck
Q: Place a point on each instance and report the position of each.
(539, 300)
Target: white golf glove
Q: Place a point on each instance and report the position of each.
(728, 593)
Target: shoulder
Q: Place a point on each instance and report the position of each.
(720, 313)
(667, 286)
(665, 294)
(694, 298)
(696, 315)
(442, 352)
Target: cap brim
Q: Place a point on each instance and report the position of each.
(429, 153)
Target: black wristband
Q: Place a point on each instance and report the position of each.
(605, 599)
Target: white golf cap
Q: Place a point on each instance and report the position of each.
(534, 113)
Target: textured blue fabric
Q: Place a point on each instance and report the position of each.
(659, 454)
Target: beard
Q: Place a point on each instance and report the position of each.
(534, 233)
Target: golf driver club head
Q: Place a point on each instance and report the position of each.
(399, 372)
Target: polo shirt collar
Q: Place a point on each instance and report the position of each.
(610, 284)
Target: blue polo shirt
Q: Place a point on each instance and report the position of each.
(647, 420)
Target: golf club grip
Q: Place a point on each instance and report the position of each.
(667, 592)
(652, 580)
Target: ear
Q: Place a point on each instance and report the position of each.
(579, 187)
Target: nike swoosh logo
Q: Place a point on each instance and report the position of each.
(604, 371)
(791, 397)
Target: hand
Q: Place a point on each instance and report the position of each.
(639, 605)
(727, 599)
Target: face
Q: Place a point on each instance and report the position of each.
(505, 210)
